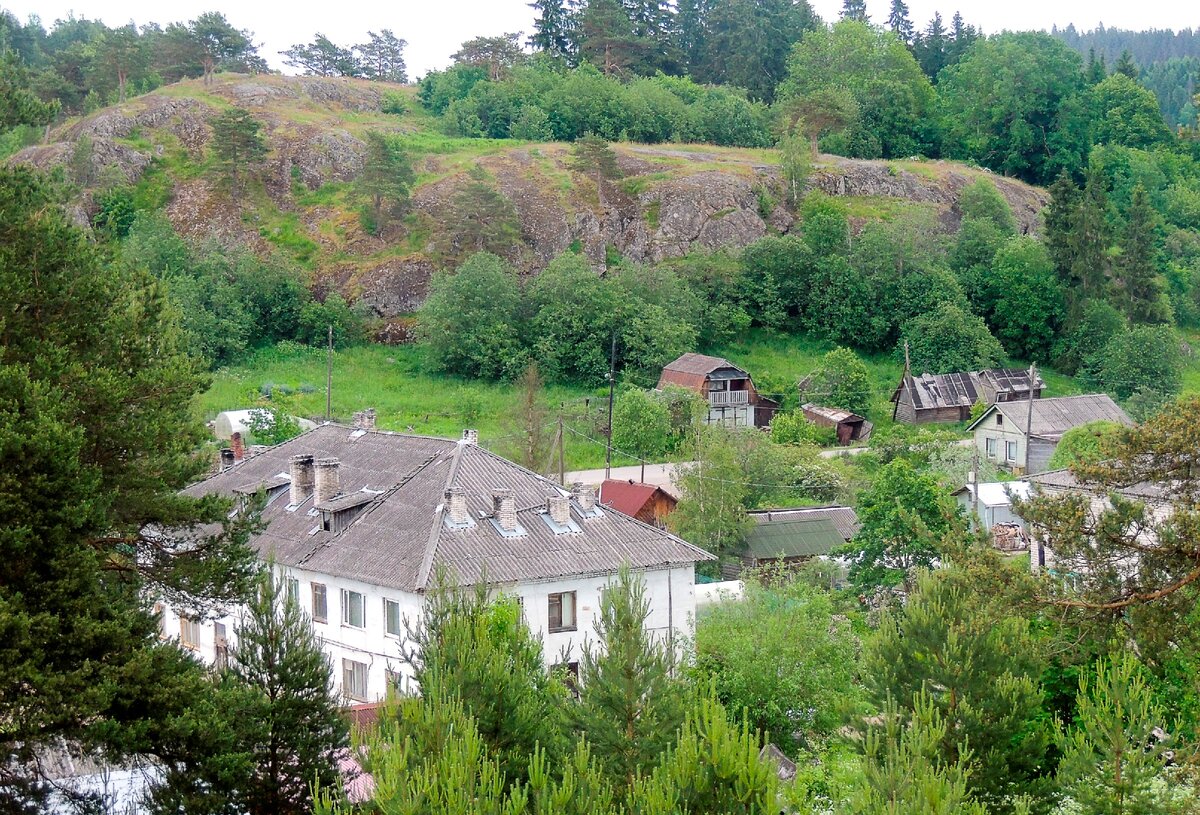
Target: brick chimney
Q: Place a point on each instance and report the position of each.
(238, 446)
(300, 468)
(585, 495)
(227, 460)
(559, 509)
(504, 509)
(456, 506)
(365, 419)
(328, 482)
(470, 437)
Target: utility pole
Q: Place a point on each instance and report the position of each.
(329, 377)
(1029, 414)
(562, 470)
(904, 380)
(975, 482)
(612, 384)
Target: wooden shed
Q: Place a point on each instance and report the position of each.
(947, 398)
(850, 426)
(646, 502)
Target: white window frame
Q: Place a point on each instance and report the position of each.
(1011, 451)
(189, 632)
(390, 606)
(564, 600)
(989, 446)
(348, 603)
(320, 611)
(352, 671)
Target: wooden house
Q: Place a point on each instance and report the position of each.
(947, 398)
(849, 426)
(1005, 435)
(729, 391)
(647, 503)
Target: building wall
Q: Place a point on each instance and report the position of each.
(732, 416)
(671, 593)
(1004, 432)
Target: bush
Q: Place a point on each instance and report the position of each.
(949, 339)
(1143, 358)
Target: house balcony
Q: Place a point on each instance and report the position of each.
(728, 398)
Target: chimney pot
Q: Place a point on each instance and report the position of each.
(456, 506)
(369, 419)
(585, 494)
(559, 509)
(238, 446)
(227, 460)
(328, 481)
(504, 509)
(300, 468)
(470, 436)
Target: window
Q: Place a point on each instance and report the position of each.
(320, 609)
(354, 679)
(999, 419)
(189, 633)
(354, 609)
(562, 611)
(717, 385)
(1010, 451)
(391, 617)
(991, 448)
(293, 590)
(221, 645)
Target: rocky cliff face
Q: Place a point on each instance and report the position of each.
(672, 200)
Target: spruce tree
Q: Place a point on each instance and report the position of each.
(931, 47)
(1112, 759)
(553, 29)
(1088, 275)
(1141, 294)
(387, 177)
(1060, 217)
(630, 705)
(238, 145)
(960, 651)
(854, 10)
(592, 156)
(282, 708)
(1125, 65)
(900, 23)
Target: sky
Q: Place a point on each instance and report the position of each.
(435, 28)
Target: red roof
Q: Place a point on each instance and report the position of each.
(629, 497)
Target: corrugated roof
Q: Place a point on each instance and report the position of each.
(798, 536)
(844, 518)
(699, 364)
(1054, 417)
(832, 414)
(399, 539)
(1065, 480)
(964, 389)
(997, 493)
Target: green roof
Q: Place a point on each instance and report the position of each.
(793, 537)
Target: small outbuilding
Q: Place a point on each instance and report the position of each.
(794, 536)
(849, 426)
(647, 503)
(990, 503)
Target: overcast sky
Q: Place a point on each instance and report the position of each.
(434, 28)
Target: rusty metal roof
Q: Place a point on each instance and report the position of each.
(964, 389)
(629, 496)
(398, 540)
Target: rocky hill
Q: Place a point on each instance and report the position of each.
(672, 199)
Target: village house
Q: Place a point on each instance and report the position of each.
(1006, 435)
(729, 391)
(361, 523)
(948, 398)
(647, 503)
(848, 426)
(795, 536)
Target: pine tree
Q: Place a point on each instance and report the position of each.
(1141, 293)
(629, 706)
(592, 156)
(904, 768)
(931, 47)
(485, 220)
(382, 57)
(238, 145)
(387, 177)
(899, 22)
(854, 10)
(962, 653)
(1125, 65)
(530, 441)
(608, 39)
(1112, 759)
(553, 29)
(285, 714)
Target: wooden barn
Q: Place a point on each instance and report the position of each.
(948, 398)
(647, 503)
(850, 426)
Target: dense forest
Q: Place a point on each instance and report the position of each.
(932, 675)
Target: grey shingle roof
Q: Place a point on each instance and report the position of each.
(1054, 417)
(399, 539)
(698, 364)
(1065, 481)
(844, 519)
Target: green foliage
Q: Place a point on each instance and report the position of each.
(272, 426)
(1081, 349)
(1127, 114)
(779, 654)
(574, 317)
(711, 511)
(905, 769)
(903, 516)
(1112, 761)
(469, 322)
(981, 199)
(641, 424)
(795, 428)
(629, 705)
(482, 218)
(237, 145)
(83, 340)
(1028, 303)
(1082, 445)
(962, 653)
(1143, 358)
(950, 339)
(841, 381)
(387, 176)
